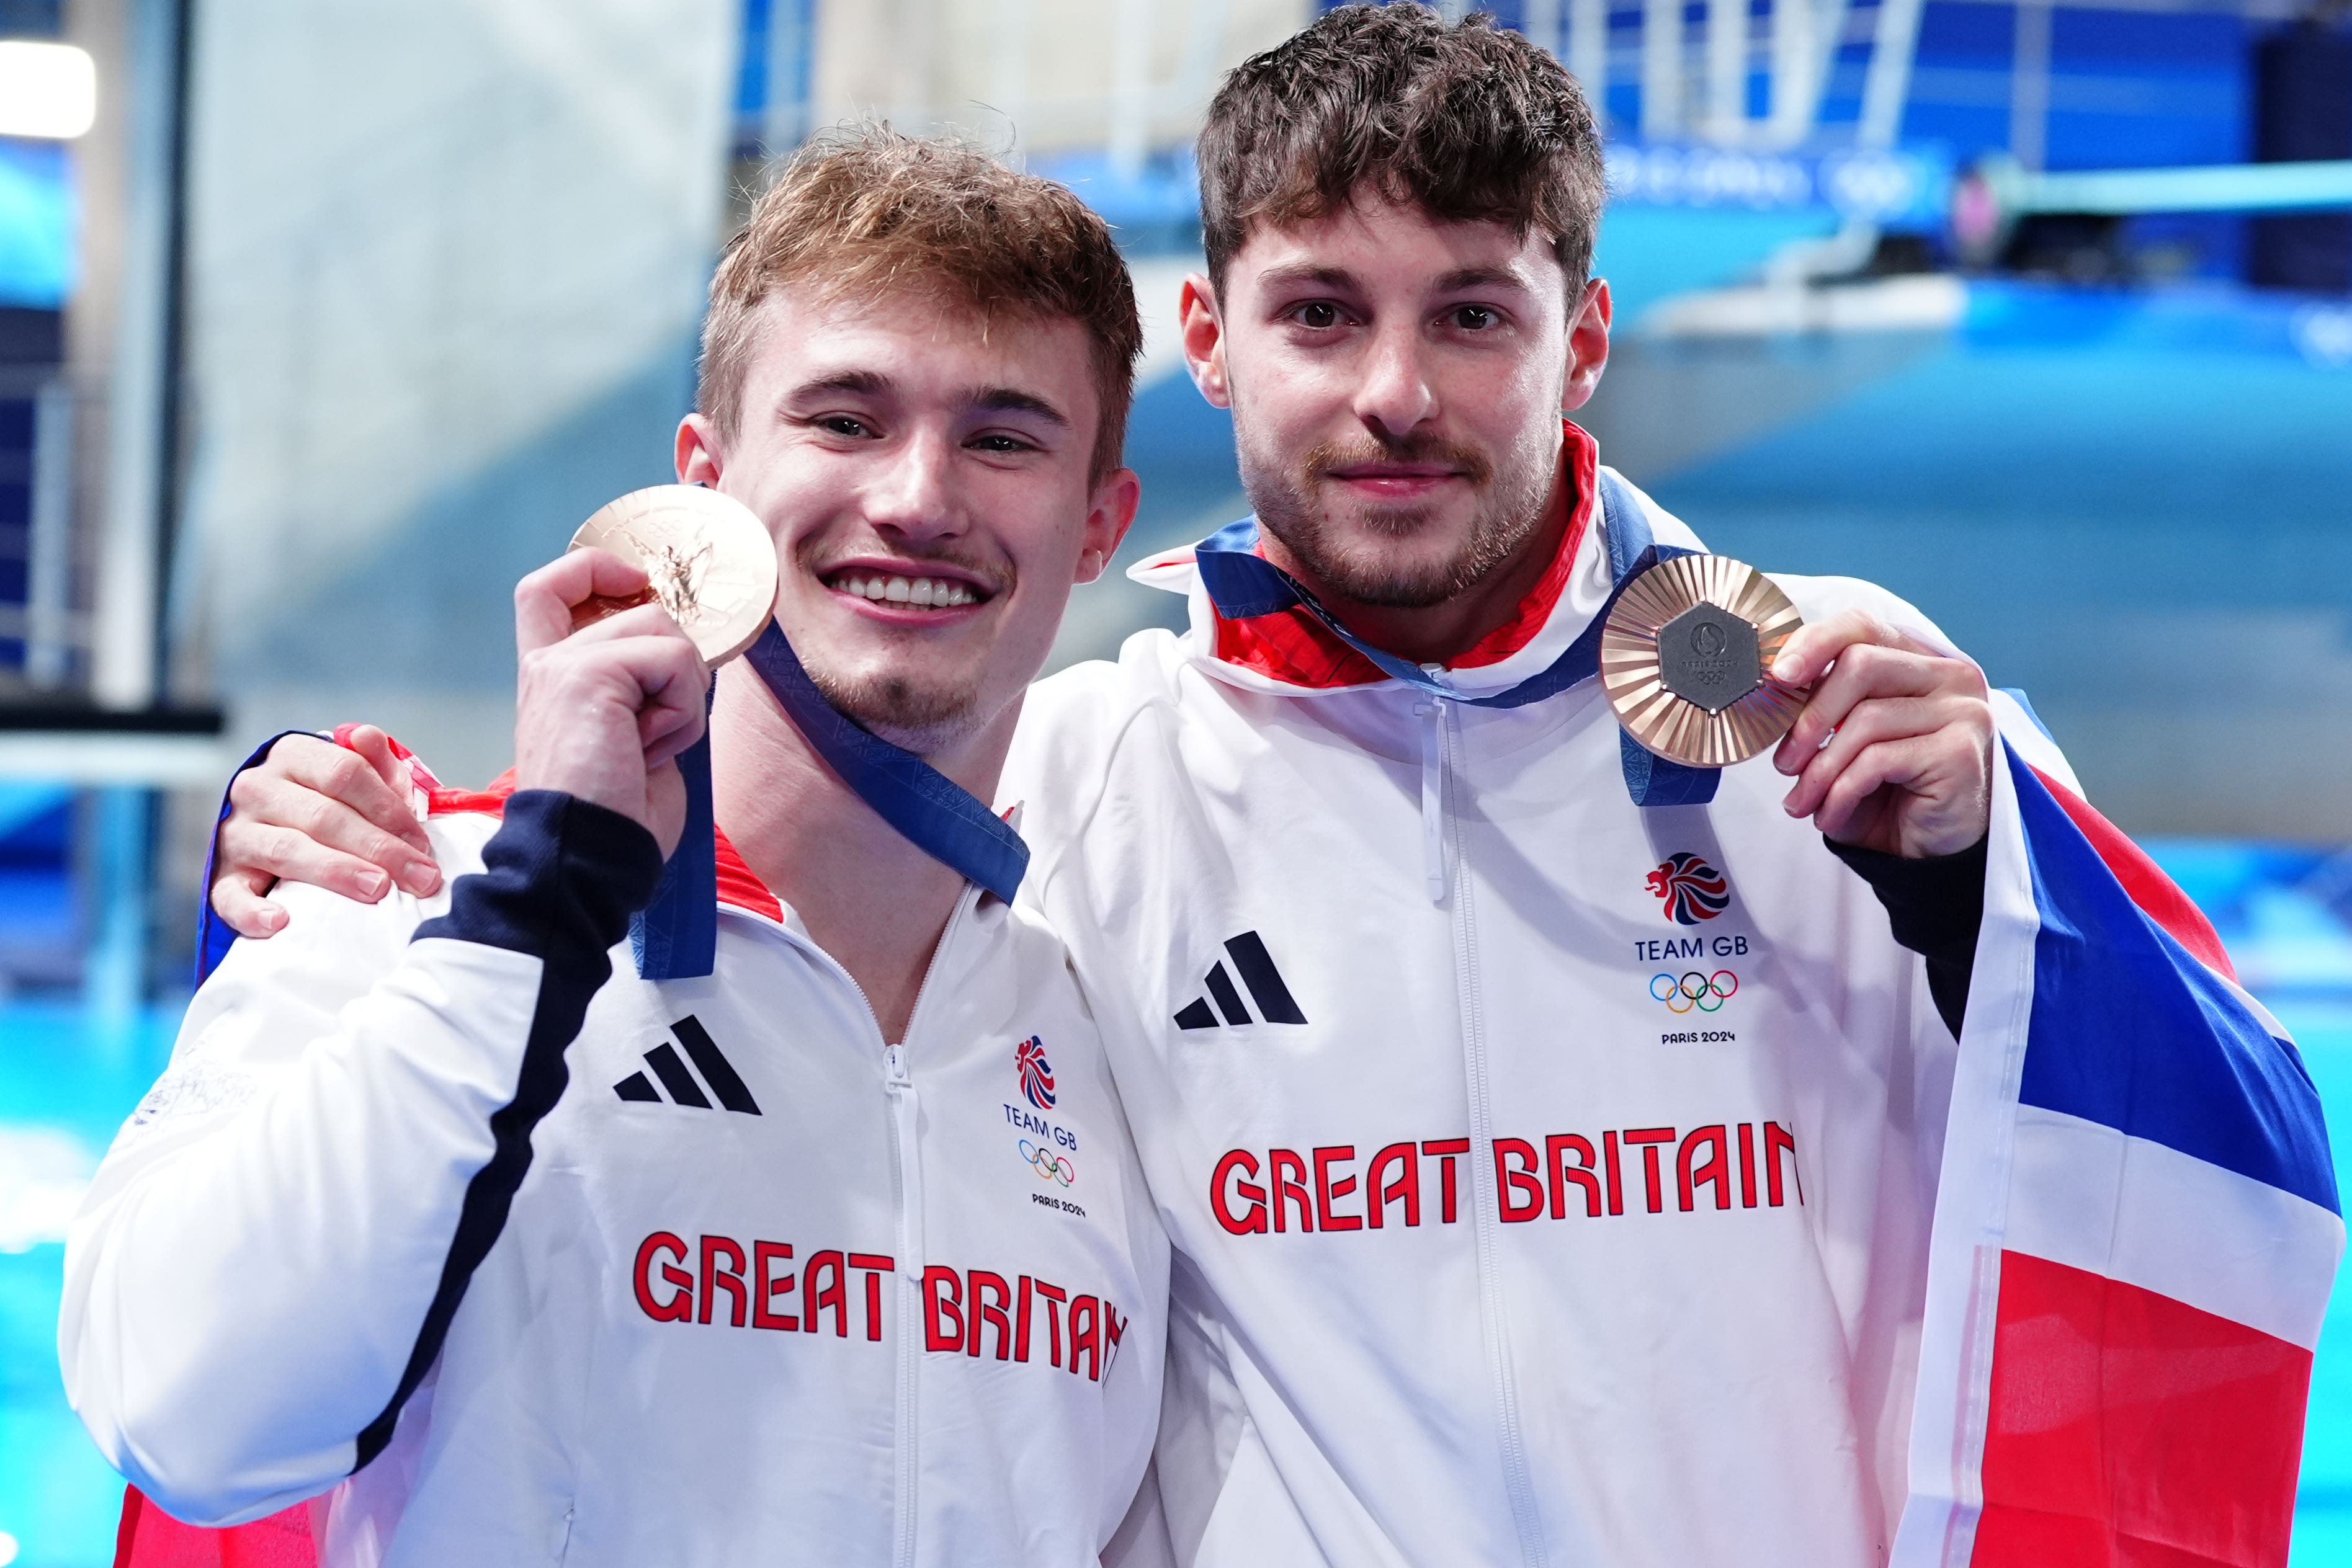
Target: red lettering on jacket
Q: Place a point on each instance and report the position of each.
(766, 1287)
(1308, 1193)
(943, 1309)
(1021, 1322)
(814, 1297)
(1445, 1149)
(1113, 1327)
(679, 1307)
(729, 1279)
(1649, 1138)
(1403, 1188)
(1691, 1173)
(984, 1285)
(1777, 1141)
(1327, 1191)
(877, 1268)
(1083, 1333)
(1053, 1296)
(1519, 1192)
(1252, 1220)
(1557, 1148)
(1287, 1174)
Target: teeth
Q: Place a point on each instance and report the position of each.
(922, 593)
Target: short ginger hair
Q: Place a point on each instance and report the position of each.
(863, 211)
(1468, 122)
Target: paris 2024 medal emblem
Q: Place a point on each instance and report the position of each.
(1684, 656)
(711, 562)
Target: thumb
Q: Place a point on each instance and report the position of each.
(666, 806)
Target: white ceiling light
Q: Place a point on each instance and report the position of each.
(48, 90)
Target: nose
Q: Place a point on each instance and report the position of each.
(914, 496)
(1395, 395)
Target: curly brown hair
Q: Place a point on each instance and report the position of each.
(1469, 122)
(865, 210)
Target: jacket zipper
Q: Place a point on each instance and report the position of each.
(1439, 761)
(906, 1195)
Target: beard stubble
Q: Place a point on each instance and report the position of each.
(1508, 511)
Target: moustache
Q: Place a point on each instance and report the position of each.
(1326, 457)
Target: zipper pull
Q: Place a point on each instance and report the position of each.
(1433, 798)
(894, 1061)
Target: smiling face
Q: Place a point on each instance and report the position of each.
(924, 469)
(1396, 384)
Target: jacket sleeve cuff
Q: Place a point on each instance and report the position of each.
(1935, 905)
(560, 875)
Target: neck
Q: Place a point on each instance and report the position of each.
(1438, 634)
(873, 902)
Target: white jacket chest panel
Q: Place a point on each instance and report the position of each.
(618, 1355)
(1675, 1190)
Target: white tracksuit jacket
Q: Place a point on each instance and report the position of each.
(1494, 1242)
(750, 1288)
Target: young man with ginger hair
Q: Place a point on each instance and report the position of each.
(447, 1220)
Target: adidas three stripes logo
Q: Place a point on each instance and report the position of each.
(1263, 982)
(684, 1089)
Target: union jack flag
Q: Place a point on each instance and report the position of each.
(2136, 1227)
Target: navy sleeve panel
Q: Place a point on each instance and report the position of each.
(1934, 904)
(560, 880)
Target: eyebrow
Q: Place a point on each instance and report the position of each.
(1454, 282)
(1304, 272)
(1481, 278)
(1012, 400)
(863, 384)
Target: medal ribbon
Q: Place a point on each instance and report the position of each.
(1245, 585)
(676, 935)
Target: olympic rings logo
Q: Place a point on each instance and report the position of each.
(1049, 1165)
(1694, 990)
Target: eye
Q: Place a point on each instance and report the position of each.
(997, 441)
(1319, 315)
(1475, 317)
(843, 425)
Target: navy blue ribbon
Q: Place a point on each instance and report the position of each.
(1245, 585)
(676, 935)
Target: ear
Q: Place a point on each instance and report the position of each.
(1108, 517)
(698, 462)
(1204, 340)
(1587, 345)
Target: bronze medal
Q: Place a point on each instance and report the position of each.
(1684, 656)
(711, 562)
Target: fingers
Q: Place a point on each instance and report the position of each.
(237, 899)
(596, 713)
(1880, 718)
(1866, 670)
(289, 828)
(374, 747)
(545, 601)
(371, 783)
(1813, 648)
(1850, 803)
